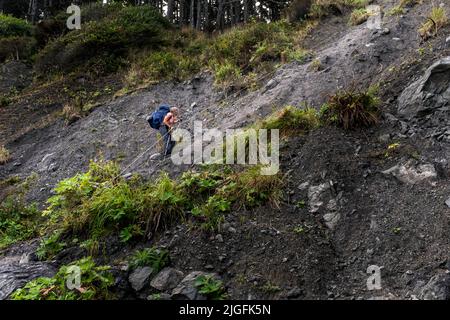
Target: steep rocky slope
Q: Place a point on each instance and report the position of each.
(363, 205)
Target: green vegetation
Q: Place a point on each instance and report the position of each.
(291, 120)
(359, 16)
(18, 221)
(352, 109)
(100, 202)
(210, 287)
(101, 45)
(4, 155)
(50, 246)
(436, 20)
(400, 8)
(152, 257)
(322, 8)
(95, 281)
(16, 39)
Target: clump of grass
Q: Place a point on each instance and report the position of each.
(95, 284)
(291, 120)
(352, 109)
(436, 20)
(5, 156)
(359, 16)
(400, 8)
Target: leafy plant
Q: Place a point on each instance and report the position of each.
(95, 282)
(50, 246)
(352, 109)
(210, 287)
(152, 257)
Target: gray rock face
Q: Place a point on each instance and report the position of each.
(429, 93)
(14, 75)
(412, 175)
(166, 279)
(14, 275)
(438, 288)
(186, 289)
(140, 277)
(315, 196)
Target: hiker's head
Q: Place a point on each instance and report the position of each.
(174, 110)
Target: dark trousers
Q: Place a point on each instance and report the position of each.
(167, 139)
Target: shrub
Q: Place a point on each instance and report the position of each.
(13, 27)
(152, 257)
(95, 282)
(352, 109)
(16, 48)
(107, 39)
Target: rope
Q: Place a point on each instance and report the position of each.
(162, 137)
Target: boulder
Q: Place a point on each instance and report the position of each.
(16, 274)
(438, 288)
(140, 277)
(186, 289)
(412, 174)
(166, 279)
(427, 94)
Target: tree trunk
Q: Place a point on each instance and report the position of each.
(191, 14)
(219, 18)
(199, 15)
(170, 6)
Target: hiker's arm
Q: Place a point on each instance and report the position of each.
(168, 120)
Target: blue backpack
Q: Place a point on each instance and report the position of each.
(156, 118)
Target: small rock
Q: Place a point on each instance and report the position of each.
(127, 176)
(303, 185)
(384, 137)
(232, 230)
(331, 219)
(271, 84)
(447, 202)
(140, 277)
(186, 289)
(438, 288)
(219, 238)
(386, 31)
(412, 175)
(193, 105)
(166, 279)
(294, 293)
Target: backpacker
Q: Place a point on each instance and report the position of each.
(156, 118)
